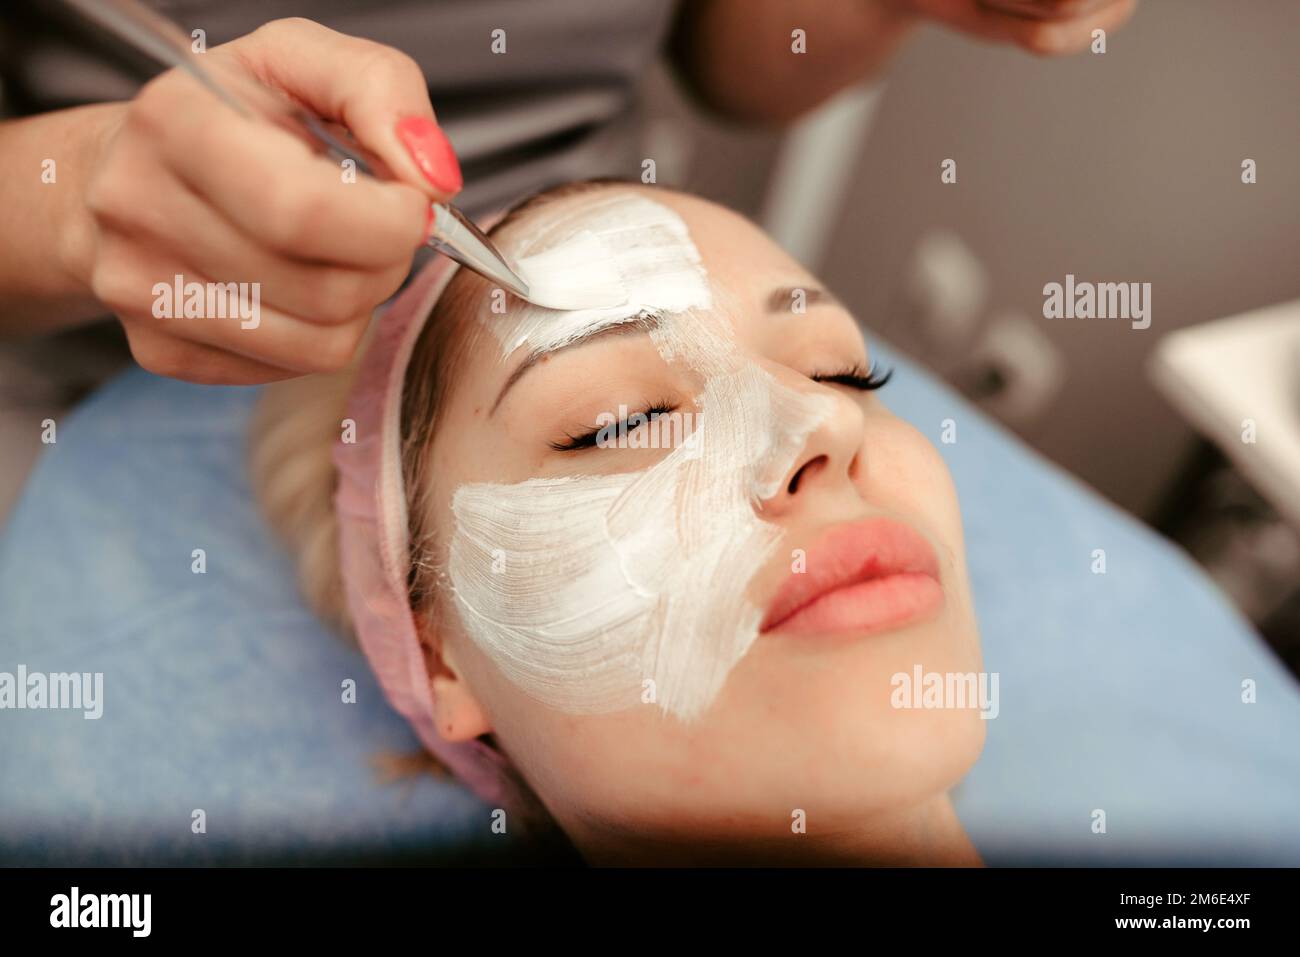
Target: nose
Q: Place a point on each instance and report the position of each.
(832, 458)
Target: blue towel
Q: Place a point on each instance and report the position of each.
(1120, 692)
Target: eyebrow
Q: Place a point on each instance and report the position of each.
(643, 323)
(777, 301)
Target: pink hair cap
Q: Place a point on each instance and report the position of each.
(374, 547)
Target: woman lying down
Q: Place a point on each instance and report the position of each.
(675, 651)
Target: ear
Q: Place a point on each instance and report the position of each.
(456, 709)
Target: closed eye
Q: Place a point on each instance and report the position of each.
(856, 377)
(588, 440)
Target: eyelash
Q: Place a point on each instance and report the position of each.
(855, 376)
(587, 440)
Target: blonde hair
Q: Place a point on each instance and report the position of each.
(291, 440)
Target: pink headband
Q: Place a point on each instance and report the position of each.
(374, 547)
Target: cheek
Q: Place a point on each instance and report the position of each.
(616, 767)
(566, 758)
(905, 471)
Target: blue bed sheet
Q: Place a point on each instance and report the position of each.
(1120, 692)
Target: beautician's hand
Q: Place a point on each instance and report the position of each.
(186, 186)
(1048, 27)
(734, 55)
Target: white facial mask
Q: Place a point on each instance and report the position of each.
(645, 244)
(596, 593)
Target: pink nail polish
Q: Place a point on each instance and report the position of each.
(432, 153)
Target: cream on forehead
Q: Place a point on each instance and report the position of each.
(603, 237)
(596, 593)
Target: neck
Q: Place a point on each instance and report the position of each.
(924, 835)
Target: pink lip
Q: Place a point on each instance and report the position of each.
(871, 575)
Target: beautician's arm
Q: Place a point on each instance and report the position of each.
(735, 56)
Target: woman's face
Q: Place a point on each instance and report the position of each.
(800, 712)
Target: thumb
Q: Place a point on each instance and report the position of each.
(376, 91)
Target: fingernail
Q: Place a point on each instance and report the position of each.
(432, 152)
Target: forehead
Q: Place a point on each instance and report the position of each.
(738, 255)
(735, 253)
